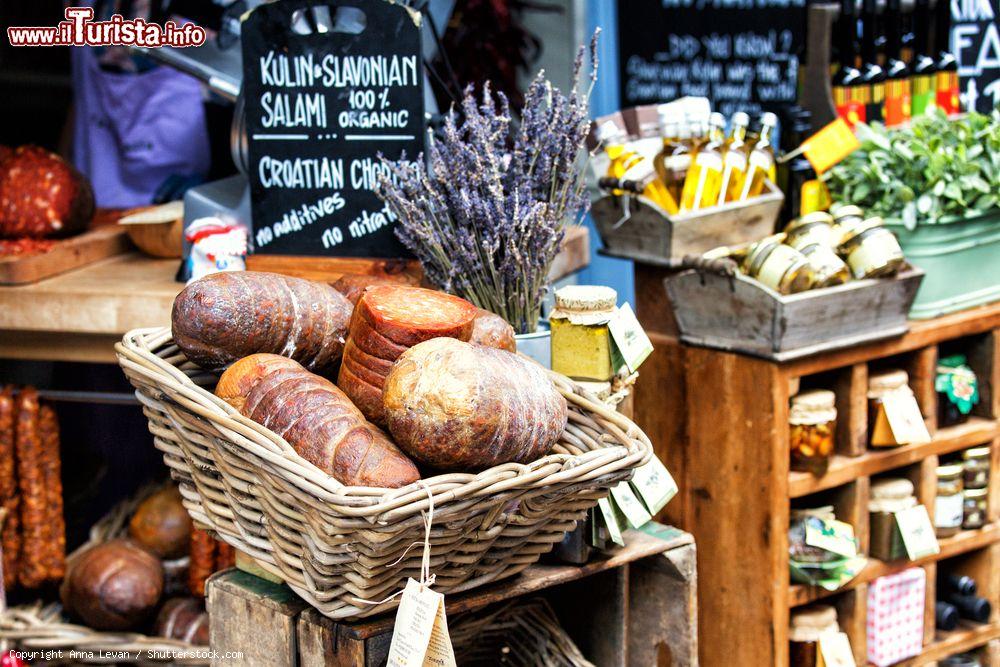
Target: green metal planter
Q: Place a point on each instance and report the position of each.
(961, 260)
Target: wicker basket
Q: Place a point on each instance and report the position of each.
(341, 548)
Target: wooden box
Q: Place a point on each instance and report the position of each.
(739, 314)
(649, 234)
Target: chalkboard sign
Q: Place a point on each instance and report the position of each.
(328, 85)
(975, 41)
(743, 55)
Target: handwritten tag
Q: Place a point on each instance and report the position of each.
(834, 536)
(420, 636)
(902, 415)
(654, 484)
(630, 339)
(611, 521)
(835, 647)
(634, 511)
(917, 532)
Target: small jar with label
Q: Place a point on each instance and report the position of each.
(871, 250)
(974, 513)
(812, 421)
(780, 267)
(888, 496)
(805, 627)
(880, 386)
(798, 550)
(957, 390)
(581, 339)
(976, 467)
(949, 505)
(813, 236)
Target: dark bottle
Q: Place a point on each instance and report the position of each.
(947, 66)
(872, 73)
(945, 616)
(850, 94)
(906, 36)
(897, 85)
(804, 191)
(955, 584)
(971, 607)
(923, 67)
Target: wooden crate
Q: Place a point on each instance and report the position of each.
(649, 234)
(740, 314)
(636, 607)
(725, 440)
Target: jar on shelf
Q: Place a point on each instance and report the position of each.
(780, 267)
(581, 340)
(976, 467)
(805, 626)
(846, 216)
(957, 390)
(798, 550)
(812, 421)
(949, 505)
(961, 660)
(813, 236)
(975, 508)
(888, 496)
(881, 385)
(871, 250)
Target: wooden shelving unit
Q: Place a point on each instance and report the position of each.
(720, 422)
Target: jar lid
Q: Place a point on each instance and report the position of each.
(976, 493)
(960, 660)
(809, 219)
(976, 453)
(891, 505)
(822, 512)
(586, 298)
(845, 211)
(891, 487)
(854, 231)
(814, 616)
(887, 381)
(813, 407)
(949, 470)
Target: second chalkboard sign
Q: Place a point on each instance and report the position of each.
(328, 85)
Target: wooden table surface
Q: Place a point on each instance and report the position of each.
(80, 315)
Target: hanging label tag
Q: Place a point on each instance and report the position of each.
(830, 145)
(630, 339)
(420, 636)
(917, 531)
(903, 417)
(835, 647)
(634, 511)
(834, 536)
(611, 522)
(654, 484)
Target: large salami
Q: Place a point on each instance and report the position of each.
(42, 196)
(31, 568)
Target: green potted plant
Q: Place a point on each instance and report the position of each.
(937, 185)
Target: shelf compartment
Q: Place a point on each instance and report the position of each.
(969, 636)
(844, 469)
(964, 542)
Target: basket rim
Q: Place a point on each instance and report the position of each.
(622, 443)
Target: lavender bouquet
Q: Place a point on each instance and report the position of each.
(487, 216)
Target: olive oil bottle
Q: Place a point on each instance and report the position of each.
(627, 164)
(673, 162)
(701, 187)
(734, 160)
(849, 93)
(872, 74)
(946, 79)
(897, 86)
(924, 66)
(760, 164)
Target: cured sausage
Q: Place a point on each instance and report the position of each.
(31, 483)
(491, 330)
(202, 563)
(8, 479)
(458, 406)
(226, 316)
(11, 537)
(225, 558)
(42, 195)
(410, 315)
(316, 419)
(55, 541)
(353, 285)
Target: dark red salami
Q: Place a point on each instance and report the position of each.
(410, 315)
(42, 196)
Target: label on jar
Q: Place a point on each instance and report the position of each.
(899, 421)
(917, 532)
(833, 536)
(835, 647)
(949, 511)
(872, 254)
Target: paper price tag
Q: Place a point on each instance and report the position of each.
(835, 647)
(631, 340)
(654, 484)
(611, 521)
(634, 511)
(830, 145)
(420, 636)
(917, 532)
(905, 420)
(834, 536)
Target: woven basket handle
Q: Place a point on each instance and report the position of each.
(723, 266)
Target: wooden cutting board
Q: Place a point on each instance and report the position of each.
(103, 240)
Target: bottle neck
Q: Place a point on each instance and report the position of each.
(869, 20)
(764, 141)
(921, 26)
(848, 34)
(942, 26)
(893, 33)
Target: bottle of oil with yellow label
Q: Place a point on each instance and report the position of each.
(849, 93)
(897, 85)
(923, 66)
(701, 186)
(946, 88)
(734, 161)
(872, 73)
(760, 164)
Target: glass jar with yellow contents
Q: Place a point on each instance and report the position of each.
(581, 340)
(812, 420)
(871, 250)
(780, 267)
(813, 236)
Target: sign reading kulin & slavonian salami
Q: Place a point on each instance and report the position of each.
(328, 85)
